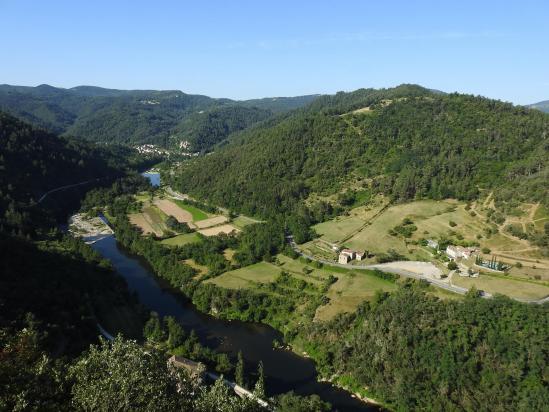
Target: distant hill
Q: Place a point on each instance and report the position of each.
(406, 142)
(280, 104)
(133, 116)
(543, 106)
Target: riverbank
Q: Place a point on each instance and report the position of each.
(284, 370)
(90, 229)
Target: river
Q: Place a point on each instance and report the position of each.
(154, 178)
(284, 370)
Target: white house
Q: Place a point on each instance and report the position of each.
(432, 243)
(457, 252)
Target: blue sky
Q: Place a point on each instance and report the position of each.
(248, 49)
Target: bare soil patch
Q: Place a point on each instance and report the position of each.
(139, 220)
(213, 221)
(214, 231)
(170, 208)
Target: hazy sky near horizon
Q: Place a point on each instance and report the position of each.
(249, 49)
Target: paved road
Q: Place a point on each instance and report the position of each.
(57, 189)
(402, 272)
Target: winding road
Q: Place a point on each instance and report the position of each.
(57, 189)
(389, 268)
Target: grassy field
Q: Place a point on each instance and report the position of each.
(505, 285)
(194, 211)
(339, 228)
(181, 239)
(541, 213)
(350, 290)
(246, 277)
(432, 219)
(229, 255)
(201, 269)
(242, 221)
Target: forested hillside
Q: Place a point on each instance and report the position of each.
(406, 142)
(133, 116)
(203, 130)
(33, 162)
(420, 353)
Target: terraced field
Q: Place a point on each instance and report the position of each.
(505, 285)
(195, 212)
(349, 291)
(180, 240)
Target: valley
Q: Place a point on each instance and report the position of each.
(296, 233)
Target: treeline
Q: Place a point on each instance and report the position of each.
(416, 352)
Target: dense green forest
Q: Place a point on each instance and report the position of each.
(205, 129)
(134, 116)
(33, 162)
(417, 352)
(406, 142)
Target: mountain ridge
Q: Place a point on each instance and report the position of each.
(128, 116)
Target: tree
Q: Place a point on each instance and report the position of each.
(259, 389)
(176, 334)
(289, 402)
(153, 329)
(239, 371)
(452, 265)
(223, 364)
(124, 376)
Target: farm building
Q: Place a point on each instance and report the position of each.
(457, 252)
(343, 258)
(346, 255)
(193, 368)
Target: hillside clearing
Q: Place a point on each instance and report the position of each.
(212, 221)
(214, 231)
(196, 213)
(171, 209)
(242, 221)
(507, 286)
(180, 240)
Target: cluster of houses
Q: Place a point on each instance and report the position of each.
(454, 252)
(346, 255)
